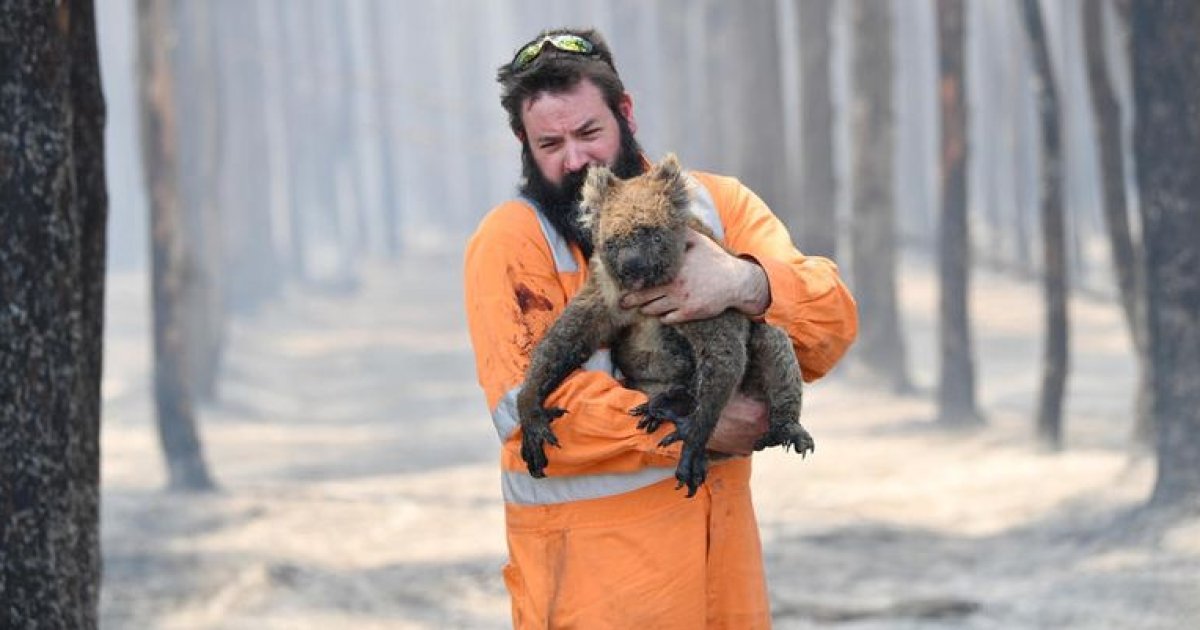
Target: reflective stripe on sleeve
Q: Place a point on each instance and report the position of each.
(520, 488)
(563, 260)
(705, 208)
(505, 415)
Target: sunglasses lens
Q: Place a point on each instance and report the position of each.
(571, 43)
(566, 43)
(528, 54)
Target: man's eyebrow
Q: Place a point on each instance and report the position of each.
(587, 124)
(583, 127)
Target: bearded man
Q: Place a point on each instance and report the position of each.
(605, 540)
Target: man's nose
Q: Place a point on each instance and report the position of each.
(576, 159)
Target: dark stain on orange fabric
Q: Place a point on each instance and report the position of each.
(527, 300)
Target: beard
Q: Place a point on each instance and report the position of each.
(560, 202)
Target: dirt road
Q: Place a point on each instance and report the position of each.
(359, 489)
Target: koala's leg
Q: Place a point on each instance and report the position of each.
(581, 329)
(719, 347)
(775, 373)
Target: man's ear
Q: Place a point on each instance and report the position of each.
(520, 136)
(625, 107)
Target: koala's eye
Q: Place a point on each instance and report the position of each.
(657, 238)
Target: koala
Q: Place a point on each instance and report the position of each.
(688, 370)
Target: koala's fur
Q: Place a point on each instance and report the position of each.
(689, 370)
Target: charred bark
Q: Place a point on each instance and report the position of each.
(815, 231)
(956, 391)
(1166, 71)
(1127, 260)
(173, 267)
(1054, 268)
(881, 353)
(52, 252)
(749, 110)
(381, 102)
(196, 65)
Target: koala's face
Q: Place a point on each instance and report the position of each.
(646, 256)
(639, 226)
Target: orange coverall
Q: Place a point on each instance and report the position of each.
(605, 540)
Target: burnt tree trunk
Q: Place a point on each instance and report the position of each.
(749, 109)
(1128, 265)
(1166, 72)
(52, 253)
(881, 353)
(196, 65)
(956, 391)
(250, 263)
(815, 231)
(1054, 268)
(382, 98)
(1023, 180)
(298, 132)
(172, 266)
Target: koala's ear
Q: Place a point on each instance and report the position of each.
(600, 181)
(670, 172)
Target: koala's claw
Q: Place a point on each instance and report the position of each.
(535, 435)
(790, 435)
(653, 418)
(692, 469)
(671, 406)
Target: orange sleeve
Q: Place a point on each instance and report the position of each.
(513, 294)
(808, 298)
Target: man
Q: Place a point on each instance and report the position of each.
(606, 540)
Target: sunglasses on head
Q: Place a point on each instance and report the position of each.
(565, 42)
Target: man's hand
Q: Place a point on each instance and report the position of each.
(742, 422)
(709, 281)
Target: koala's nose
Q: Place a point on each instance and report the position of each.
(633, 265)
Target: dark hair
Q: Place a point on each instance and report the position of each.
(555, 71)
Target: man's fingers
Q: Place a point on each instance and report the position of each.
(642, 298)
(657, 306)
(635, 299)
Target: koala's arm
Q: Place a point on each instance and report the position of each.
(584, 326)
(513, 296)
(809, 301)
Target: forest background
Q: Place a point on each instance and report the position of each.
(286, 431)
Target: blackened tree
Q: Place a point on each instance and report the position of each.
(172, 262)
(1054, 267)
(881, 353)
(1126, 253)
(956, 391)
(815, 229)
(52, 253)
(1166, 71)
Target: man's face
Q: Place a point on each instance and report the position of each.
(568, 131)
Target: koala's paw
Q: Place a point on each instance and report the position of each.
(684, 429)
(534, 437)
(692, 469)
(670, 406)
(789, 435)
